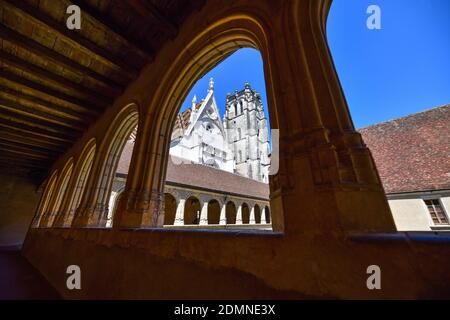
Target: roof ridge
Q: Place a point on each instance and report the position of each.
(404, 117)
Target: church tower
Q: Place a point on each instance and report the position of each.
(247, 133)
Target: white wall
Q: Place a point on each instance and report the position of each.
(412, 214)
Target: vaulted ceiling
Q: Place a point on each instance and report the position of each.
(55, 82)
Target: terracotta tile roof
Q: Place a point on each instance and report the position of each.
(182, 120)
(412, 153)
(203, 177)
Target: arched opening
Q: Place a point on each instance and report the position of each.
(108, 167)
(230, 212)
(257, 212)
(45, 199)
(221, 142)
(57, 195)
(245, 213)
(57, 206)
(170, 209)
(213, 212)
(192, 211)
(267, 214)
(396, 87)
(83, 169)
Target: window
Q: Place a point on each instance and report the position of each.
(436, 212)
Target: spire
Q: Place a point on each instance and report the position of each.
(211, 85)
(194, 102)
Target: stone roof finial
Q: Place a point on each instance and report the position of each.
(211, 85)
(194, 102)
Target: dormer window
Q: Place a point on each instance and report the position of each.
(436, 212)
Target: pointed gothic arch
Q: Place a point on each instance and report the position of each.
(93, 209)
(76, 185)
(58, 195)
(45, 199)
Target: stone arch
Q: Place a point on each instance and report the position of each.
(93, 210)
(170, 209)
(76, 185)
(114, 204)
(213, 211)
(45, 198)
(192, 211)
(66, 176)
(230, 212)
(57, 195)
(311, 113)
(245, 210)
(257, 213)
(205, 51)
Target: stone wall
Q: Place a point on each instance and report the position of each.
(19, 198)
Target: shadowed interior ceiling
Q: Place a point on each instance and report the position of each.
(55, 82)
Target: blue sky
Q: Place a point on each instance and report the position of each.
(401, 69)
(245, 65)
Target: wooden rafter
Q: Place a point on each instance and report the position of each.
(15, 107)
(87, 106)
(75, 38)
(53, 78)
(152, 15)
(57, 58)
(136, 43)
(55, 109)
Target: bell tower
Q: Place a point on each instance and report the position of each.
(247, 133)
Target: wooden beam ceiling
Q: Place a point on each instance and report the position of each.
(108, 23)
(55, 82)
(107, 57)
(151, 14)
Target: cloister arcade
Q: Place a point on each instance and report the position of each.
(327, 203)
(197, 208)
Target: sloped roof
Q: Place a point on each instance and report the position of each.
(204, 177)
(412, 153)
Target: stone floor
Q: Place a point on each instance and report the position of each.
(20, 280)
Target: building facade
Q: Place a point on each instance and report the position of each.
(412, 157)
(218, 170)
(239, 143)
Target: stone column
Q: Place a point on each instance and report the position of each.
(239, 214)
(179, 215)
(252, 219)
(223, 214)
(263, 215)
(204, 214)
